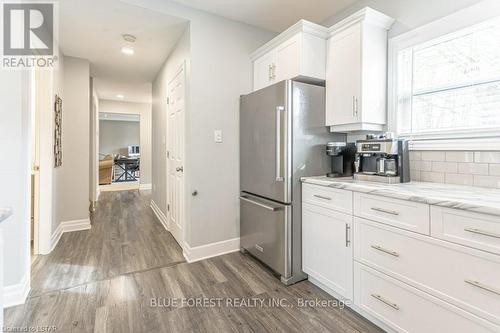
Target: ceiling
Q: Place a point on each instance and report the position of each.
(272, 15)
(131, 91)
(92, 30)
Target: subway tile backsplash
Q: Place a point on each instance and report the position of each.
(456, 167)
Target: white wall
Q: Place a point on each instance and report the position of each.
(409, 14)
(115, 136)
(220, 71)
(73, 178)
(144, 110)
(58, 89)
(15, 165)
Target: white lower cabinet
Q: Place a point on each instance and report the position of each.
(406, 309)
(400, 275)
(462, 276)
(326, 248)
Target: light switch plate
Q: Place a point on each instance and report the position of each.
(218, 136)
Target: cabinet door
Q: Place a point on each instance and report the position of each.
(263, 71)
(343, 77)
(287, 64)
(327, 254)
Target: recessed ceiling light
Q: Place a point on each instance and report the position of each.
(120, 96)
(129, 38)
(128, 50)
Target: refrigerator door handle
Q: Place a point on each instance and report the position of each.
(279, 110)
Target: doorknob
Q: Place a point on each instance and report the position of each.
(181, 169)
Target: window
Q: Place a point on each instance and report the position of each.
(449, 86)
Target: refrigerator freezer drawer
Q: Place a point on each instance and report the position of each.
(265, 232)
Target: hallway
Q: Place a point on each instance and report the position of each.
(104, 280)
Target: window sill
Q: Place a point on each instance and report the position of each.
(474, 144)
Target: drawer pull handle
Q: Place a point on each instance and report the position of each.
(482, 232)
(386, 301)
(347, 235)
(382, 210)
(322, 197)
(482, 286)
(381, 249)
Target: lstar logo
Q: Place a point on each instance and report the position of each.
(28, 35)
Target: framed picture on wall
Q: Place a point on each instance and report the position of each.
(58, 132)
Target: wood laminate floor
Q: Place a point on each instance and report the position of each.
(127, 274)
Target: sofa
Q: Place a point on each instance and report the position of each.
(106, 170)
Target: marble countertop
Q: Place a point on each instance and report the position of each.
(469, 198)
(5, 212)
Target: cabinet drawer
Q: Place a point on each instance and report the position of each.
(406, 309)
(327, 197)
(471, 229)
(403, 214)
(465, 277)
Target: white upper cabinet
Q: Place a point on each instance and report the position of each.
(356, 72)
(298, 51)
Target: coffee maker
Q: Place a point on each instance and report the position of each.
(342, 156)
(381, 158)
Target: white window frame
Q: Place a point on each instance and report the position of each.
(466, 140)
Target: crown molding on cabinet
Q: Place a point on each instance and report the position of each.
(367, 15)
(301, 26)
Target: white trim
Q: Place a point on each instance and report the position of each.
(301, 26)
(345, 128)
(68, 226)
(16, 294)
(54, 239)
(160, 215)
(368, 15)
(145, 187)
(461, 19)
(206, 251)
(474, 144)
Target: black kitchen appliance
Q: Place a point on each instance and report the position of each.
(381, 158)
(342, 158)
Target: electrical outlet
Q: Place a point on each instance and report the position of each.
(218, 136)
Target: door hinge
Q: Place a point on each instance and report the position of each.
(168, 153)
(168, 100)
(168, 208)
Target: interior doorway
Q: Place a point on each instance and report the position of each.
(175, 154)
(119, 151)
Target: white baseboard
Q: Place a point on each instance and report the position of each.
(159, 215)
(144, 187)
(68, 226)
(16, 294)
(201, 252)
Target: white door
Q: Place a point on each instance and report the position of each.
(175, 154)
(263, 71)
(288, 59)
(327, 253)
(343, 77)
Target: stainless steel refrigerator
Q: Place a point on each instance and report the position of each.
(282, 138)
